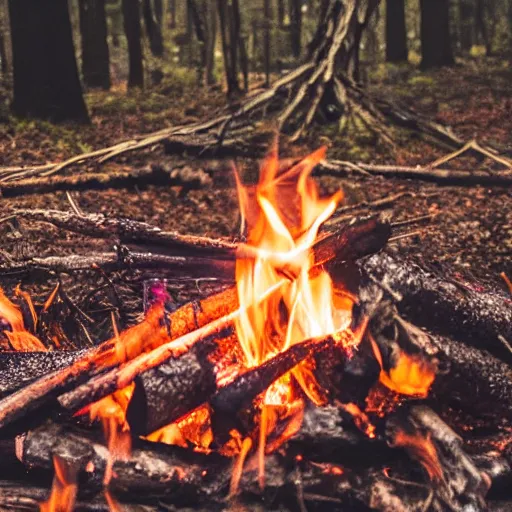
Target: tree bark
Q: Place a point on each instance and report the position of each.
(229, 46)
(95, 54)
(153, 29)
(172, 10)
(435, 34)
(396, 36)
(295, 7)
(131, 15)
(465, 25)
(481, 27)
(46, 83)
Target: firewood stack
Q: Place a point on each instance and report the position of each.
(406, 404)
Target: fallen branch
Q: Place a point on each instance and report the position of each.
(442, 176)
(154, 175)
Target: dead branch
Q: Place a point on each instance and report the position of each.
(426, 173)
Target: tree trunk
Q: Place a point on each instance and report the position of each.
(465, 25)
(481, 26)
(435, 34)
(227, 31)
(153, 29)
(267, 13)
(172, 10)
(131, 15)
(211, 37)
(296, 26)
(4, 65)
(396, 36)
(95, 55)
(46, 83)
(280, 13)
(159, 12)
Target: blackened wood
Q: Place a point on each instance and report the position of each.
(463, 311)
(153, 329)
(18, 369)
(165, 393)
(168, 471)
(473, 380)
(237, 396)
(460, 481)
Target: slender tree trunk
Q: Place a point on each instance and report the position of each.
(295, 7)
(396, 35)
(46, 83)
(4, 65)
(280, 12)
(95, 54)
(267, 13)
(211, 37)
(226, 30)
(481, 26)
(466, 25)
(153, 29)
(131, 15)
(172, 10)
(159, 12)
(436, 46)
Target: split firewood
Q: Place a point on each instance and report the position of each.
(461, 310)
(354, 240)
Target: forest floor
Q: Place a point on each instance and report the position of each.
(470, 233)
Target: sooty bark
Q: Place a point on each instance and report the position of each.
(95, 54)
(46, 83)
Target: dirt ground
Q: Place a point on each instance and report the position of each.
(471, 231)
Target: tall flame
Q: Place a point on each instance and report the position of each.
(283, 216)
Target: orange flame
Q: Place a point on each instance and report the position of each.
(64, 488)
(283, 219)
(412, 375)
(19, 338)
(423, 450)
(283, 216)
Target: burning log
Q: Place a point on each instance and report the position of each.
(468, 378)
(153, 331)
(352, 241)
(439, 450)
(176, 387)
(463, 311)
(171, 472)
(17, 369)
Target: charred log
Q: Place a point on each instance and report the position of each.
(461, 310)
(17, 369)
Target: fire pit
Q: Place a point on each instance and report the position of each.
(333, 375)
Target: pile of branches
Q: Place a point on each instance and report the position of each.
(410, 459)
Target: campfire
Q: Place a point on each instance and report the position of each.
(333, 374)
